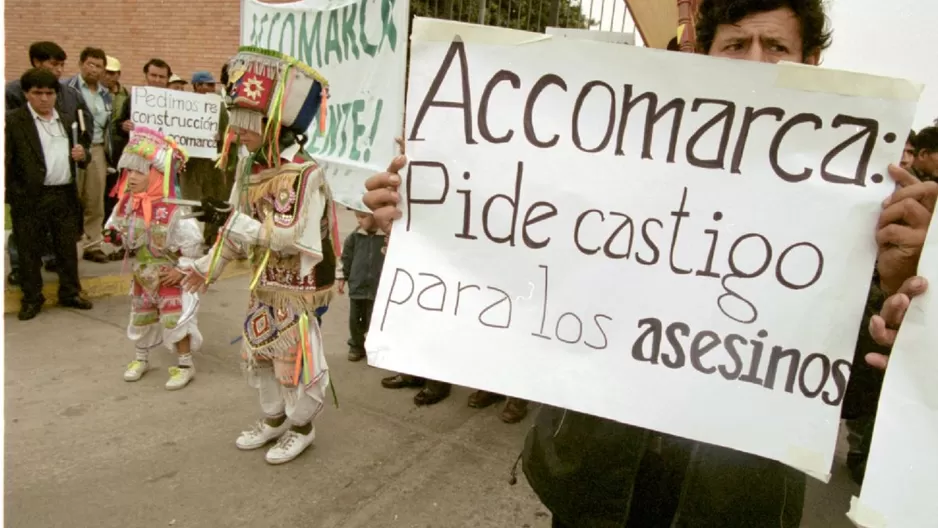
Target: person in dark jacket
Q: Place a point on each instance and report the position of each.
(362, 260)
(925, 160)
(920, 157)
(48, 56)
(41, 165)
(157, 73)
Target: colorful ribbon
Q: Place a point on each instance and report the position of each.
(260, 270)
(304, 367)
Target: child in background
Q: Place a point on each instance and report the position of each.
(362, 259)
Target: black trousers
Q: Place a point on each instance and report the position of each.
(359, 318)
(47, 255)
(110, 202)
(57, 213)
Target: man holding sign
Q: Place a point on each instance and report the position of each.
(590, 471)
(157, 73)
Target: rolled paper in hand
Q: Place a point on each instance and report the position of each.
(75, 141)
(81, 122)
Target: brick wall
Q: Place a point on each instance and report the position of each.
(190, 35)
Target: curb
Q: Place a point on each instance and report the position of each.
(104, 286)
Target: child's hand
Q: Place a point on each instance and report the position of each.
(171, 277)
(112, 236)
(340, 286)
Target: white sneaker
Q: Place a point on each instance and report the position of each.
(135, 370)
(290, 445)
(179, 377)
(260, 434)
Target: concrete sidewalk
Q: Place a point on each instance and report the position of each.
(86, 449)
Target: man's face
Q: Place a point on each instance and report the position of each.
(908, 156)
(157, 77)
(178, 86)
(204, 88)
(771, 36)
(926, 161)
(41, 99)
(92, 69)
(55, 66)
(111, 79)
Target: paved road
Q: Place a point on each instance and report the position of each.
(86, 449)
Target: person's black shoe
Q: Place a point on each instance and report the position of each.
(77, 302)
(400, 381)
(96, 255)
(13, 279)
(29, 311)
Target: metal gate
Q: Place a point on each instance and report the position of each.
(531, 15)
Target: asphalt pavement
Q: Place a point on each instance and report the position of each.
(83, 448)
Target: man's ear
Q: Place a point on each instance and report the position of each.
(813, 59)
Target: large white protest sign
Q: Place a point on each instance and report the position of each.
(672, 241)
(190, 118)
(360, 47)
(901, 480)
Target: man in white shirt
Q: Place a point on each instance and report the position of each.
(42, 159)
(91, 181)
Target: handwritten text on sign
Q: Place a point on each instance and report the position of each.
(190, 118)
(665, 240)
(359, 46)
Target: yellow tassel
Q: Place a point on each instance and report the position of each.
(167, 173)
(216, 256)
(323, 104)
(260, 270)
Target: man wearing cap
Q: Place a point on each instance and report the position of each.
(202, 178)
(177, 83)
(112, 81)
(119, 97)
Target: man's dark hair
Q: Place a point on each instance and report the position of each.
(815, 37)
(673, 45)
(926, 140)
(159, 63)
(39, 78)
(92, 53)
(223, 78)
(44, 51)
(911, 139)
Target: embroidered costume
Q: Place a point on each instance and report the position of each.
(283, 220)
(161, 240)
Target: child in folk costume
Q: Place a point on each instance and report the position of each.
(283, 219)
(163, 241)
